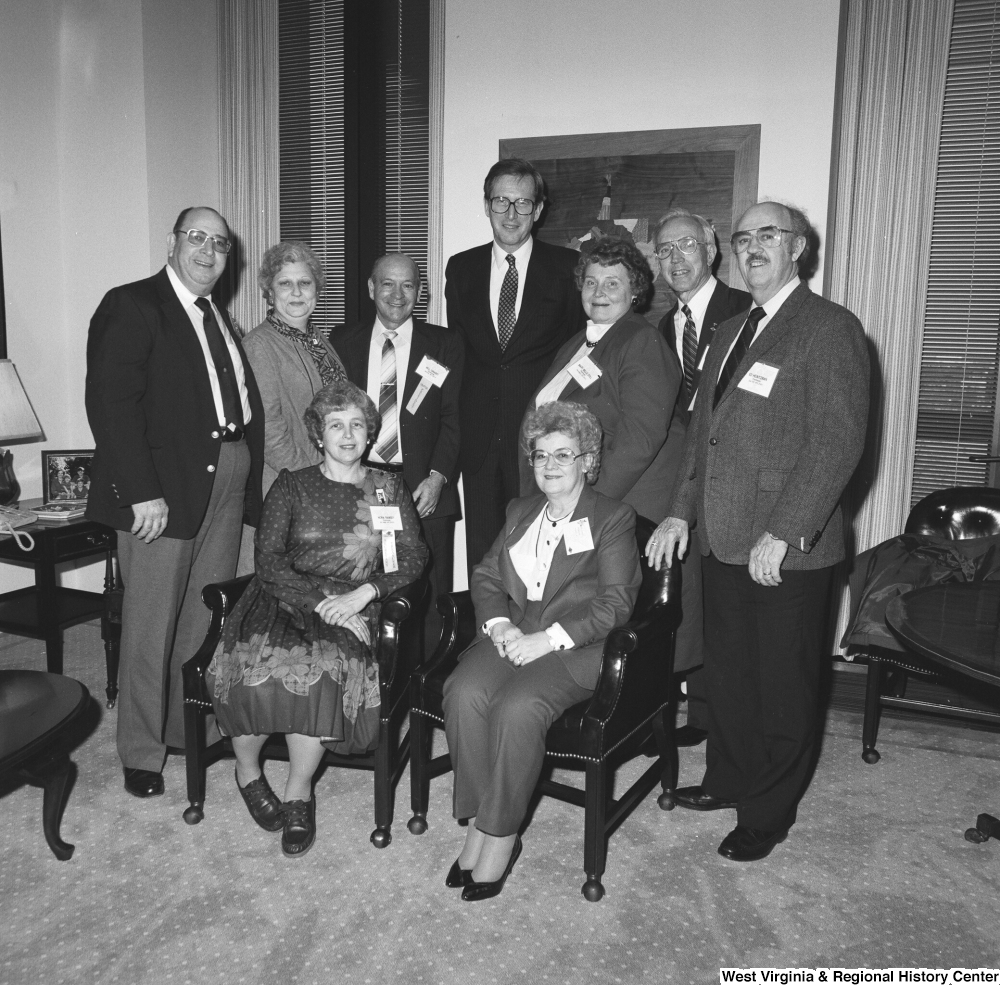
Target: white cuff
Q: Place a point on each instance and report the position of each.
(559, 638)
(490, 623)
(443, 476)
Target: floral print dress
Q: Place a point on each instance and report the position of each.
(278, 666)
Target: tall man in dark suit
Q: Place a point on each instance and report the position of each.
(420, 417)
(686, 248)
(514, 302)
(179, 427)
(776, 434)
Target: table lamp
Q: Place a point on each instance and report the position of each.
(17, 421)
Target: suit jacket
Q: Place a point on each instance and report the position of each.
(780, 463)
(588, 593)
(150, 407)
(634, 400)
(726, 302)
(497, 383)
(431, 436)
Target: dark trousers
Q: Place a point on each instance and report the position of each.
(697, 701)
(440, 537)
(487, 493)
(763, 654)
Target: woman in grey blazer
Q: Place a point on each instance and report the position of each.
(561, 575)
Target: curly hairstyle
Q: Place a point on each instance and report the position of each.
(293, 251)
(569, 418)
(609, 252)
(340, 396)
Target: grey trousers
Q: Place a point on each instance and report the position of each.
(496, 717)
(164, 620)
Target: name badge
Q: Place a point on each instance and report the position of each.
(433, 371)
(389, 561)
(577, 536)
(585, 371)
(386, 518)
(380, 496)
(759, 379)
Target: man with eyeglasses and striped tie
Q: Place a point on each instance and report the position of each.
(179, 430)
(514, 301)
(775, 436)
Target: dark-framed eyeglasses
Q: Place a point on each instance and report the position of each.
(564, 458)
(522, 206)
(765, 236)
(686, 244)
(198, 237)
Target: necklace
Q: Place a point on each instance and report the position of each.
(554, 521)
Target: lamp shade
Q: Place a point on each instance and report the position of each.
(17, 419)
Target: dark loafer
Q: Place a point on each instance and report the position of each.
(695, 799)
(744, 844)
(143, 783)
(300, 826)
(484, 890)
(262, 802)
(457, 877)
(689, 735)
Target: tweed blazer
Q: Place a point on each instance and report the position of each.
(288, 380)
(588, 593)
(779, 463)
(634, 400)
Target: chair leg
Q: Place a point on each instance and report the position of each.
(384, 759)
(53, 772)
(595, 841)
(194, 761)
(421, 732)
(666, 742)
(869, 731)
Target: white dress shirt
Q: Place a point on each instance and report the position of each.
(193, 312)
(401, 343)
(498, 270)
(698, 306)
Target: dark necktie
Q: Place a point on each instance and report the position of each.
(232, 406)
(689, 346)
(739, 351)
(388, 436)
(508, 302)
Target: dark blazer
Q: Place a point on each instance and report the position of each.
(497, 383)
(634, 400)
(726, 302)
(431, 436)
(588, 594)
(780, 463)
(150, 407)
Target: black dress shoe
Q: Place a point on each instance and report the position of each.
(143, 783)
(744, 844)
(458, 878)
(695, 799)
(689, 735)
(263, 803)
(300, 826)
(484, 890)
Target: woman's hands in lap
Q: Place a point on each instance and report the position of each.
(344, 610)
(527, 648)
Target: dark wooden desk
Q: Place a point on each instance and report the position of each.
(956, 625)
(43, 612)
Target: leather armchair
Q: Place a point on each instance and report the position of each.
(398, 647)
(633, 701)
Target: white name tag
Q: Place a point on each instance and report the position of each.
(759, 379)
(389, 561)
(386, 518)
(577, 536)
(585, 371)
(413, 405)
(433, 371)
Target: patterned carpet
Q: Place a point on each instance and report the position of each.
(876, 874)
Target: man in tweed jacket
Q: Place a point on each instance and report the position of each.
(775, 437)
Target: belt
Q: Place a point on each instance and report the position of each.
(231, 433)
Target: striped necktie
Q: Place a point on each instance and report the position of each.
(229, 388)
(689, 346)
(738, 352)
(508, 302)
(388, 436)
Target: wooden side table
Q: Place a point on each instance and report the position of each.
(43, 612)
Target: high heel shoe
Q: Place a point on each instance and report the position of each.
(484, 890)
(458, 878)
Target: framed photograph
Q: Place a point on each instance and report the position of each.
(620, 184)
(66, 476)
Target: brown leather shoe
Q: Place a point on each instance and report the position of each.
(143, 783)
(744, 844)
(695, 799)
(262, 803)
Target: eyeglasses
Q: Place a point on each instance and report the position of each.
(198, 237)
(563, 458)
(522, 206)
(687, 245)
(765, 236)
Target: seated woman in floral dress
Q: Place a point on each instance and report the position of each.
(296, 654)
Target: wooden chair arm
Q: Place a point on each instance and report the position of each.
(458, 630)
(392, 641)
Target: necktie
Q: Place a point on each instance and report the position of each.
(508, 301)
(232, 406)
(388, 436)
(739, 351)
(689, 346)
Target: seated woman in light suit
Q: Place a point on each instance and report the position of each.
(561, 575)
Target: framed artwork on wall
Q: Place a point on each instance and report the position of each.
(66, 476)
(620, 184)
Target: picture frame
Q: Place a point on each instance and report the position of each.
(66, 476)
